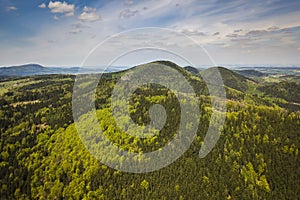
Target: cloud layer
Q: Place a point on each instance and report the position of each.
(231, 31)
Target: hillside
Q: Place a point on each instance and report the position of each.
(43, 155)
(250, 73)
(289, 91)
(230, 78)
(192, 70)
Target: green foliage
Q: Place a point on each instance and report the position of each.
(289, 91)
(230, 78)
(43, 157)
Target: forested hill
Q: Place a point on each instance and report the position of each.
(43, 157)
(231, 78)
(251, 73)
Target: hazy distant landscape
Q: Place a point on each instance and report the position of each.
(247, 70)
(36, 69)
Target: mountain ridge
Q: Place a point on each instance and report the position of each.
(230, 78)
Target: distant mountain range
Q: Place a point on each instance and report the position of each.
(250, 72)
(35, 69)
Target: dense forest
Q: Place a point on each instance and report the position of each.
(44, 157)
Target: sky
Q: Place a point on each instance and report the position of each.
(129, 32)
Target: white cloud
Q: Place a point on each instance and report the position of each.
(55, 17)
(59, 7)
(11, 8)
(191, 32)
(88, 9)
(70, 14)
(89, 15)
(43, 5)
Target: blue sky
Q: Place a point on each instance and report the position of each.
(62, 33)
